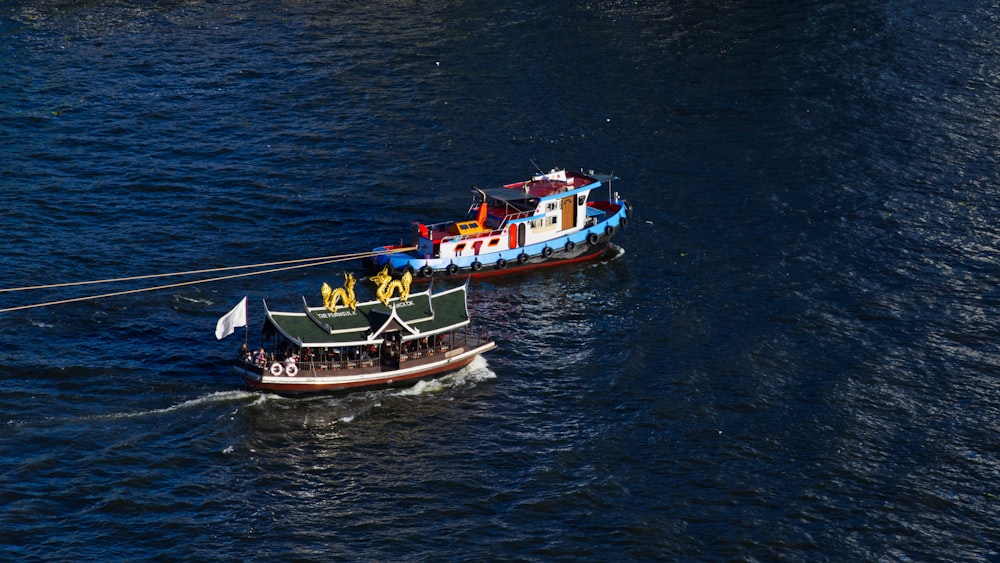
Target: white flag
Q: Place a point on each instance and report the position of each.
(231, 320)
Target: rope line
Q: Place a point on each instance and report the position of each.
(321, 262)
(208, 271)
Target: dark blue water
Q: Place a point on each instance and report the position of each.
(795, 356)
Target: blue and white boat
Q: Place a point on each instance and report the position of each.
(547, 220)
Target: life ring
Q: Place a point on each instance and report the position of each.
(276, 369)
(452, 269)
(522, 258)
(291, 370)
(570, 246)
(426, 271)
(477, 265)
(546, 252)
(592, 238)
(501, 264)
(609, 230)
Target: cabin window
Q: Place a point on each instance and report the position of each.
(551, 206)
(493, 242)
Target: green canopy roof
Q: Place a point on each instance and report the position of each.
(424, 314)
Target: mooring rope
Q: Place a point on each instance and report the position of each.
(298, 265)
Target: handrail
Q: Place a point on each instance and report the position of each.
(499, 231)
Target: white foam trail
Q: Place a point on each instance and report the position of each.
(471, 374)
(217, 397)
(422, 387)
(193, 300)
(619, 252)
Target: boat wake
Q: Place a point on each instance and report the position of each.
(211, 398)
(472, 374)
(192, 300)
(324, 411)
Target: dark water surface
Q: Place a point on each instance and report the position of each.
(795, 356)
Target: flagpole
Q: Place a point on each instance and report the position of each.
(246, 326)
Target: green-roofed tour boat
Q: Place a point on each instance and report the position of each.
(348, 346)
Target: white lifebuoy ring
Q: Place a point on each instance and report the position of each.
(276, 369)
(291, 370)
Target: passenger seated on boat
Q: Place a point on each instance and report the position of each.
(261, 357)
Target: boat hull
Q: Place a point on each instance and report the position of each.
(404, 373)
